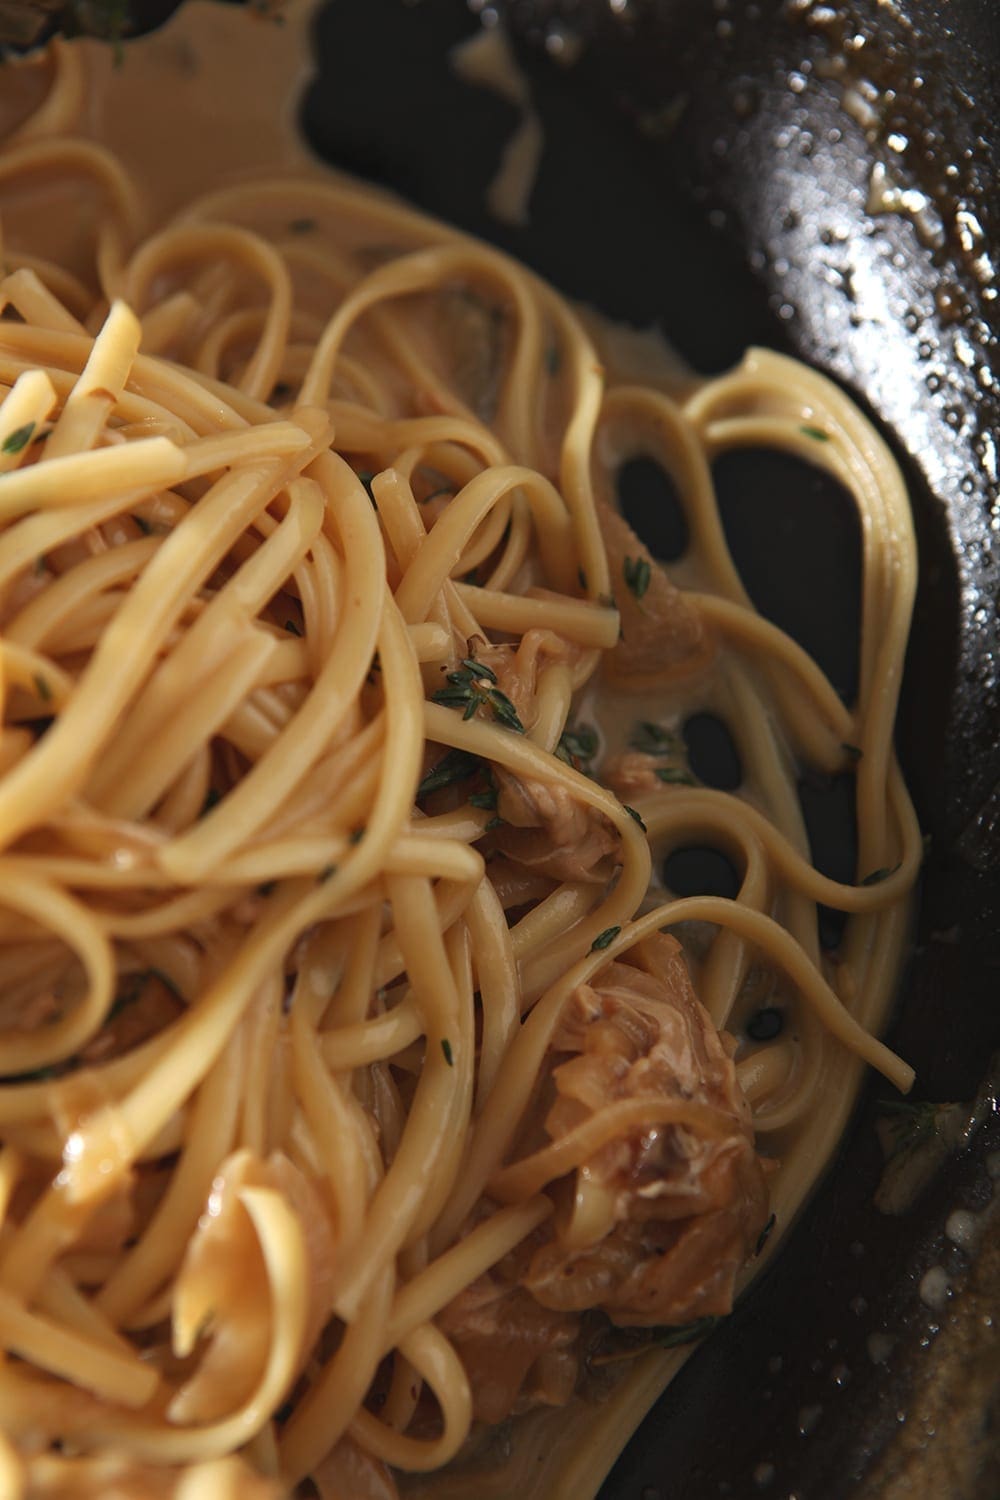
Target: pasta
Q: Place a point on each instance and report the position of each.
(355, 1098)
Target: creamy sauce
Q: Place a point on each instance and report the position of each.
(231, 94)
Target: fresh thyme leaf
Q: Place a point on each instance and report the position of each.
(327, 873)
(472, 686)
(212, 799)
(675, 775)
(15, 441)
(686, 1333)
(129, 995)
(493, 823)
(877, 876)
(40, 1075)
(487, 799)
(504, 711)
(652, 739)
(604, 939)
(457, 765)
(637, 574)
(577, 744)
(142, 524)
(582, 579)
(765, 1234)
(42, 688)
(357, 834)
(293, 628)
(816, 433)
(634, 816)
(911, 1122)
(478, 669)
(446, 1049)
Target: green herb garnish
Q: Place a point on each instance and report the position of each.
(473, 686)
(637, 574)
(686, 1333)
(40, 1075)
(42, 689)
(634, 816)
(19, 439)
(911, 1122)
(457, 765)
(604, 939)
(765, 1234)
(446, 1049)
(877, 876)
(816, 433)
(653, 739)
(293, 628)
(675, 775)
(577, 744)
(327, 873)
(487, 799)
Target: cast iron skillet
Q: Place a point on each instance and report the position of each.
(700, 171)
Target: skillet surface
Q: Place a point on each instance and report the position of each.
(704, 170)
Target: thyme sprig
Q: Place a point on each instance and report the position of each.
(472, 686)
(15, 441)
(653, 739)
(457, 765)
(675, 775)
(911, 1122)
(637, 575)
(577, 745)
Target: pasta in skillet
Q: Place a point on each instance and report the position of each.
(364, 1091)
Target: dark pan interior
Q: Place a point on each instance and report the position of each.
(701, 172)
